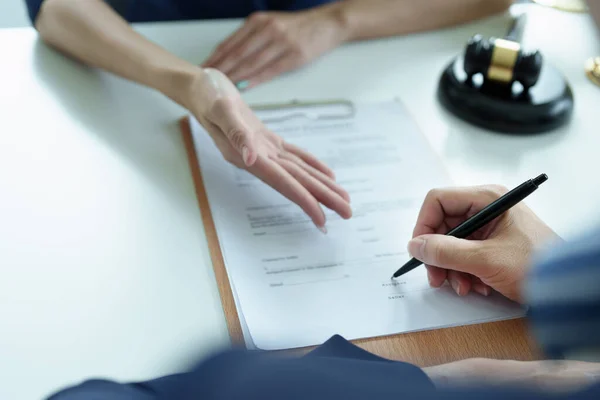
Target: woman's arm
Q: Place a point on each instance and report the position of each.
(272, 43)
(366, 19)
(91, 32)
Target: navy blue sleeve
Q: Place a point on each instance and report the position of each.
(336, 370)
(110, 390)
(33, 8)
(563, 294)
(120, 6)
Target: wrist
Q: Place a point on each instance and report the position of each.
(338, 16)
(176, 81)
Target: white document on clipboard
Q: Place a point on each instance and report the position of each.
(295, 286)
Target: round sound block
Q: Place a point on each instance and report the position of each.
(506, 108)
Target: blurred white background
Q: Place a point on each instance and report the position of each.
(13, 13)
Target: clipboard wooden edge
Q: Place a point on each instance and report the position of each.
(501, 340)
(231, 315)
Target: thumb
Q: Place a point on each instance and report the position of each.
(239, 135)
(227, 113)
(447, 252)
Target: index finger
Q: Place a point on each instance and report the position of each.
(225, 116)
(229, 43)
(448, 204)
(279, 179)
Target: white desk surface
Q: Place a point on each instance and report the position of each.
(104, 266)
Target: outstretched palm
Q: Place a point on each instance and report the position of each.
(246, 142)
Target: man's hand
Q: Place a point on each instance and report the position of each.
(271, 43)
(246, 143)
(552, 376)
(495, 257)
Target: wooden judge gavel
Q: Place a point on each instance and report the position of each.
(503, 61)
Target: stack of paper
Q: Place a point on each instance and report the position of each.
(295, 286)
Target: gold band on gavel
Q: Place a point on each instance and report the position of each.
(592, 70)
(504, 58)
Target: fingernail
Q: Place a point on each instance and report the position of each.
(242, 85)
(482, 289)
(322, 229)
(415, 247)
(246, 155)
(456, 286)
(429, 279)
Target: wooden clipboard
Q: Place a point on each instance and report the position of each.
(501, 340)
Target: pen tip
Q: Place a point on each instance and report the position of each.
(540, 179)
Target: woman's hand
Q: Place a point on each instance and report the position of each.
(246, 143)
(553, 376)
(495, 257)
(271, 43)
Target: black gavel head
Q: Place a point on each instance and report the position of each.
(502, 61)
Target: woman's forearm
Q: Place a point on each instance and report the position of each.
(91, 32)
(367, 19)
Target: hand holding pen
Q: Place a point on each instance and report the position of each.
(493, 257)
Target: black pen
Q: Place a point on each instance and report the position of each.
(485, 216)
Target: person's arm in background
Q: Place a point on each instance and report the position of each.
(93, 33)
(367, 19)
(547, 376)
(271, 43)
